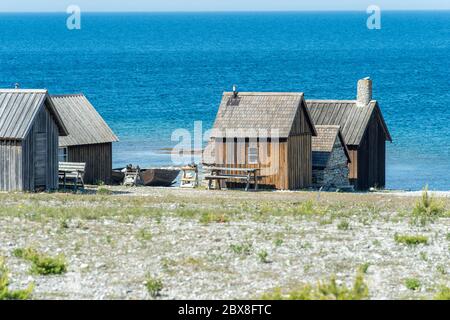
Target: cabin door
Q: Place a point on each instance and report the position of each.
(40, 162)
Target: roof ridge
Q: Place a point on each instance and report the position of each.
(265, 93)
(335, 101)
(23, 91)
(67, 95)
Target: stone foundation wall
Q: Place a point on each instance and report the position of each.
(336, 173)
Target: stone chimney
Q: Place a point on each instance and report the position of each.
(364, 92)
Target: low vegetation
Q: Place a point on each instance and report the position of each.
(103, 191)
(211, 217)
(195, 237)
(427, 209)
(324, 290)
(154, 286)
(412, 284)
(411, 239)
(144, 235)
(5, 292)
(343, 225)
(263, 256)
(364, 267)
(242, 248)
(41, 263)
(443, 293)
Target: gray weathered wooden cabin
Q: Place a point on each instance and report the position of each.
(30, 128)
(330, 158)
(89, 140)
(365, 132)
(268, 131)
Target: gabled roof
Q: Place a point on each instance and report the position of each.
(84, 124)
(351, 118)
(18, 110)
(258, 114)
(323, 144)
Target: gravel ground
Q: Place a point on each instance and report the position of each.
(111, 257)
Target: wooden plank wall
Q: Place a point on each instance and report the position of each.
(353, 165)
(18, 158)
(299, 162)
(234, 154)
(98, 159)
(44, 124)
(10, 165)
(300, 125)
(371, 157)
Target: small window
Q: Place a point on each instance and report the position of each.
(62, 155)
(253, 154)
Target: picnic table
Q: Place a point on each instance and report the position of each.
(72, 171)
(218, 174)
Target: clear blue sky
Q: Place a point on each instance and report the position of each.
(218, 5)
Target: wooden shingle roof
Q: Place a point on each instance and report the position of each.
(18, 110)
(257, 114)
(84, 124)
(351, 118)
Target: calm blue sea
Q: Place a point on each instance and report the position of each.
(148, 74)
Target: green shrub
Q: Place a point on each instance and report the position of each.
(328, 290)
(427, 208)
(343, 225)
(443, 293)
(263, 256)
(411, 239)
(243, 248)
(278, 242)
(42, 264)
(412, 284)
(364, 267)
(154, 286)
(5, 292)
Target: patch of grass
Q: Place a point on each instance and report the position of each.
(64, 224)
(308, 208)
(278, 242)
(364, 267)
(412, 284)
(441, 269)
(42, 264)
(242, 248)
(448, 236)
(324, 290)
(427, 208)
(423, 256)
(144, 235)
(343, 225)
(102, 191)
(5, 292)
(154, 286)
(211, 217)
(263, 256)
(411, 239)
(443, 294)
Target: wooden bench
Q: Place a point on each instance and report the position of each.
(72, 172)
(247, 175)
